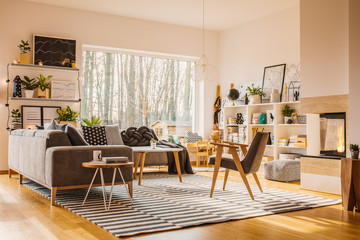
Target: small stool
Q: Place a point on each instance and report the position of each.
(100, 165)
(282, 170)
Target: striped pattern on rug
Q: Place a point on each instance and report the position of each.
(163, 203)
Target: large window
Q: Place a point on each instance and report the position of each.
(133, 90)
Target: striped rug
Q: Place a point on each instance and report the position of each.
(163, 203)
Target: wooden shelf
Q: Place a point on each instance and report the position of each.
(44, 67)
(43, 99)
(261, 125)
(292, 125)
(290, 147)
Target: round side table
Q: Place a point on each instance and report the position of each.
(99, 166)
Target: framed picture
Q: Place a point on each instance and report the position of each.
(63, 89)
(273, 79)
(33, 116)
(52, 51)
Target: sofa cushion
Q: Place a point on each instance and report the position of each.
(113, 135)
(55, 126)
(75, 137)
(95, 135)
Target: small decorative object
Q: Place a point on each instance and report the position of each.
(97, 155)
(73, 64)
(29, 86)
(354, 151)
(294, 91)
(275, 96)
(67, 115)
(24, 57)
(231, 121)
(255, 94)
(17, 87)
(270, 116)
(256, 118)
(287, 112)
(286, 97)
(262, 118)
(153, 143)
(66, 62)
(246, 99)
(92, 121)
(52, 51)
(301, 119)
(233, 94)
(239, 118)
(43, 90)
(16, 116)
(294, 117)
(215, 135)
(40, 63)
(273, 79)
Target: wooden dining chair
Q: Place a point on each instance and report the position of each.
(249, 165)
(202, 150)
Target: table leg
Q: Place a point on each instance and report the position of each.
(103, 186)
(142, 167)
(177, 162)
(122, 178)
(92, 181)
(112, 186)
(137, 164)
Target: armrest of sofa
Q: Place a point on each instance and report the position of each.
(63, 165)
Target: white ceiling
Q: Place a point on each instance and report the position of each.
(219, 14)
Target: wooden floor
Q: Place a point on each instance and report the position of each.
(25, 214)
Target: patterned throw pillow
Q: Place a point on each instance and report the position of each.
(95, 135)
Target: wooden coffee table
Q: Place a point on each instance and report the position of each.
(100, 165)
(142, 154)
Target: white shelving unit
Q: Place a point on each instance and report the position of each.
(278, 129)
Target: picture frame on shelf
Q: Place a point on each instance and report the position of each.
(53, 51)
(61, 89)
(273, 78)
(33, 116)
(270, 116)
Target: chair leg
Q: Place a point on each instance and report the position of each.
(197, 161)
(226, 177)
(216, 169)
(207, 160)
(257, 181)
(137, 165)
(241, 171)
(130, 186)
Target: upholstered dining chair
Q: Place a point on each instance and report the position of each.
(249, 165)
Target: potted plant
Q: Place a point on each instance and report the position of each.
(255, 94)
(16, 122)
(24, 56)
(67, 115)
(287, 112)
(92, 121)
(73, 64)
(43, 90)
(153, 143)
(354, 151)
(29, 86)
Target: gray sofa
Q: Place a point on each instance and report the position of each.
(47, 157)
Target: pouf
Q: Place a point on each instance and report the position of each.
(282, 170)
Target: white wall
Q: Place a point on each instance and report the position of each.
(245, 50)
(20, 20)
(354, 73)
(324, 47)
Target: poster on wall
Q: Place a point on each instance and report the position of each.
(273, 79)
(33, 116)
(53, 51)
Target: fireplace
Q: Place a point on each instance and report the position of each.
(333, 134)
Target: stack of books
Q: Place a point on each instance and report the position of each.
(115, 159)
(283, 142)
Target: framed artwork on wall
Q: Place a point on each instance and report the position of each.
(273, 79)
(33, 116)
(53, 51)
(63, 89)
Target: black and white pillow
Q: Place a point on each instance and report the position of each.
(95, 135)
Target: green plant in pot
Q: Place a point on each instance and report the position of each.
(255, 94)
(24, 56)
(67, 115)
(44, 86)
(287, 113)
(29, 84)
(16, 119)
(92, 121)
(354, 151)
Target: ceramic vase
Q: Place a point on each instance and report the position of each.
(255, 99)
(29, 93)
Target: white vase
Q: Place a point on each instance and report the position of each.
(153, 145)
(29, 93)
(255, 99)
